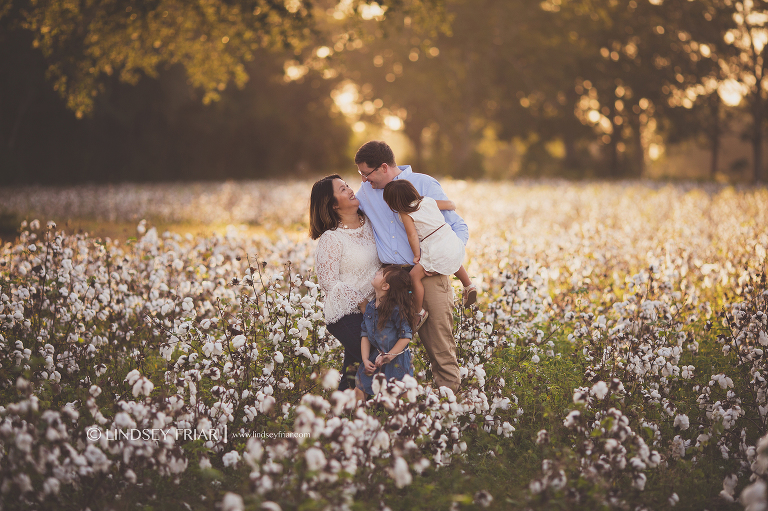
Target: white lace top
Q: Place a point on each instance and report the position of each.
(346, 262)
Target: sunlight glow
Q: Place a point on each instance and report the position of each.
(372, 11)
(346, 98)
(654, 152)
(393, 122)
(294, 70)
(731, 92)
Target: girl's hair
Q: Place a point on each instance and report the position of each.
(401, 196)
(399, 295)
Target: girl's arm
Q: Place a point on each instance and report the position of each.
(398, 348)
(413, 237)
(446, 205)
(365, 351)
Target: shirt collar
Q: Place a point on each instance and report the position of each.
(404, 171)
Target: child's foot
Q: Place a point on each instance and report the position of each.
(422, 316)
(469, 295)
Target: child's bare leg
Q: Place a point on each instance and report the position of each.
(463, 276)
(359, 394)
(418, 273)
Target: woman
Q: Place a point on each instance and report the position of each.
(345, 261)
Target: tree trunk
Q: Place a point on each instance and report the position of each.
(757, 135)
(613, 145)
(639, 154)
(714, 134)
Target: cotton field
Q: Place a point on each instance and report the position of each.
(616, 358)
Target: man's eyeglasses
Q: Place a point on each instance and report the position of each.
(369, 173)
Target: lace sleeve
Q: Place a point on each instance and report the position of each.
(340, 297)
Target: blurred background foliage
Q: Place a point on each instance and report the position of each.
(121, 90)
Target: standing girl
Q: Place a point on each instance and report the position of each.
(386, 330)
(436, 248)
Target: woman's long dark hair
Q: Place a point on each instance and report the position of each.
(401, 196)
(399, 295)
(322, 216)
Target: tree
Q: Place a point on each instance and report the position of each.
(748, 66)
(85, 41)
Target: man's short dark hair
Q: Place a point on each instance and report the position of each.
(374, 154)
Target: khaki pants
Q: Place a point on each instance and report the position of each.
(436, 333)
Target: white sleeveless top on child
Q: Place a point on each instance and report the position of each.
(441, 250)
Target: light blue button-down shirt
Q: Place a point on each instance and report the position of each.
(391, 239)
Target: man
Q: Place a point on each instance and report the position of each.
(376, 165)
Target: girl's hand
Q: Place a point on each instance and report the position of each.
(369, 367)
(380, 361)
(363, 305)
(416, 259)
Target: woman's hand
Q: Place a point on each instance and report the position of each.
(370, 368)
(363, 305)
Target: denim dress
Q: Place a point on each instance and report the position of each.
(382, 341)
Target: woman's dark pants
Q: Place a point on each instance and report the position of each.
(347, 330)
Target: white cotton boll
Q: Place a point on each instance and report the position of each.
(420, 466)
(600, 389)
(133, 377)
(682, 422)
(673, 500)
(331, 379)
(572, 419)
(269, 505)
(51, 486)
(315, 458)
(535, 359)
(205, 463)
(231, 458)
(638, 481)
(238, 342)
(762, 338)
(130, 476)
(483, 498)
(187, 304)
(232, 502)
(95, 390)
(505, 429)
(279, 358)
(448, 394)
(729, 485)
(400, 473)
(24, 442)
(304, 352)
(753, 497)
(143, 387)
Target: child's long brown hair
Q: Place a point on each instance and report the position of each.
(398, 295)
(401, 196)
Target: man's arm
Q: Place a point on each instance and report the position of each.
(445, 205)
